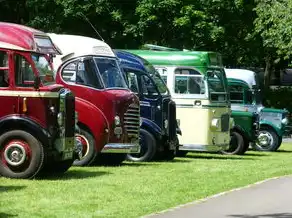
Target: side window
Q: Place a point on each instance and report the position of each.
(148, 88)
(132, 81)
(24, 75)
(82, 73)
(236, 94)
(186, 71)
(4, 69)
(187, 84)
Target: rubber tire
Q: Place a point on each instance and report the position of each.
(90, 157)
(279, 143)
(275, 145)
(150, 145)
(241, 145)
(38, 155)
(104, 159)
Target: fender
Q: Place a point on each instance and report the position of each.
(151, 127)
(26, 124)
(269, 124)
(241, 131)
(93, 118)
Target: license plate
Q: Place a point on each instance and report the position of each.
(68, 155)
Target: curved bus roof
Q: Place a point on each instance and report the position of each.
(180, 58)
(246, 75)
(74, 46)
(18, 37)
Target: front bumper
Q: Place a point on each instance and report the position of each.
(121, 148)
(208, 148)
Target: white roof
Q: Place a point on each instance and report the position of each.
(247, 75)
(75, 46)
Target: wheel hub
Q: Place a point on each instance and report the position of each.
(15, 154)
(265, 139)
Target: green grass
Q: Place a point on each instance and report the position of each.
(137, 189)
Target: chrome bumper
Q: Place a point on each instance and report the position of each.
(212, 148)
(121, 148)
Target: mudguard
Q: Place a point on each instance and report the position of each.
(151, 127)
(93, 118)
(278, 130)
(240, 130)
(26, 124)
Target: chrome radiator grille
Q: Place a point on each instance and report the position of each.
(132, 120)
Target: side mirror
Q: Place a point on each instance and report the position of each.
(37, 82)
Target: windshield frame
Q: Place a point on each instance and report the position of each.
(94, 57)
(223, 81)
(50, 69)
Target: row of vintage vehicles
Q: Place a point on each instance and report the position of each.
(72, 100)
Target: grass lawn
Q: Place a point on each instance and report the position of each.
(137, 189)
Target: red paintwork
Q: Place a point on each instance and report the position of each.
(97, 109)
(22, 36)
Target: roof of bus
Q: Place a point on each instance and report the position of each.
(247, 75)
(73, 46)
(180, 58)
(19, 37)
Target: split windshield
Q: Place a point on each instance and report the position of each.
(110, 72)
(217, 85)
(161, 86)
(44, 69)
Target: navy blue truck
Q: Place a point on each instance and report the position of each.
(158, 127)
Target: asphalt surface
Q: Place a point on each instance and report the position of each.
(270, 199)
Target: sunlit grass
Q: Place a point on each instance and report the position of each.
(136, 189)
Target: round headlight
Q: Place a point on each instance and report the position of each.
(285, 121)
(165, 124)
(60, 119)
(117, 120)
(215, 123)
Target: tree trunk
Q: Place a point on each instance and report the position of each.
(268, 71)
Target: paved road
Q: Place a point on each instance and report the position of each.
(271, 199)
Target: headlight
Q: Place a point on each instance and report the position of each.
(60, 119)
(117, 120)
(215, 123)
(285, 121)
(165, 124)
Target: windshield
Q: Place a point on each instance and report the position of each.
(44, 69)
(110, 72)
(216, 82)
(189, 84)
(159, 82)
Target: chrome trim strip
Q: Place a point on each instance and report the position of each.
(121, 148)
(32, 94)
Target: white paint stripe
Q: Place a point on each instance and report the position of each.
(212, 196)
(33, 94)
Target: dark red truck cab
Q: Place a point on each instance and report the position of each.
(108, 112)
(37, 116)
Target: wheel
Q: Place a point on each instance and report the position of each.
(21, 155)
(237, 145)
(267, 140)
(88, 151)
(148, 148)
(105, 159)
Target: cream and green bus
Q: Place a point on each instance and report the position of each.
(198, 86)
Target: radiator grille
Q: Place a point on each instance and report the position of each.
(132, 120)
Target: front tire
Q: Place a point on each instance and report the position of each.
(21, 155)
(237, 145)
(88, 148)
(148, 148)
(267, 140)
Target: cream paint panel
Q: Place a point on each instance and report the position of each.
(33, 94)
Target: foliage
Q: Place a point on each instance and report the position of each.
(278, 98)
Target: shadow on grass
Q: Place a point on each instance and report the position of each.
(273, 215)
(6, 215)
(73, 174)
(10, 188)
(258, 154)
(283, 151)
